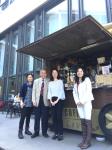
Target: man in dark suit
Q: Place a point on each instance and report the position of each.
(41, 104)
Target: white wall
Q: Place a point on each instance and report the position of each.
(17, 10)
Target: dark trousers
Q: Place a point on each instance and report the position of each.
(57, 111)
(25, 114)
(41, 113)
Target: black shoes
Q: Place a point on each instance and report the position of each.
(58, 137)
(34, 135)
(55, 136)
(20, 135)
(28, 132)
(37, 134)
(45, 135)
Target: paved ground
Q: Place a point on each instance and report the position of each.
(10, 141)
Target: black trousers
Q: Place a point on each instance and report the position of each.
(57, 111)
(25, 114)
(41, 113)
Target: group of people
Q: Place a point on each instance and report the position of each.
(40, 94)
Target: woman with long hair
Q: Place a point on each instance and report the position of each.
(56, 95)
(83, 97)
(26, 105)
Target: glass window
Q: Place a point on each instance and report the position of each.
(56, 18)
(30, 35)
(19, 83)
(36, 74)
(2, 54)
(28, 63)
(30, 32)
(11, 1)
(4, 4)
(13, 55)
(24, 78)
(1, 88)
(111, 8)
(111, 3)
(39, 27)
(2, 1)
(38, 64)
(75, 10)
(19, 63)
(12, 86)
(96, 8)
(4, 91)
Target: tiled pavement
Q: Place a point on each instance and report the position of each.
(10, 141)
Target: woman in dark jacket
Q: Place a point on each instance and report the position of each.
(26, 106)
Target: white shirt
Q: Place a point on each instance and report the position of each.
(56, 88)
(83, 93)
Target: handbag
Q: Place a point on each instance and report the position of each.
(54, 98)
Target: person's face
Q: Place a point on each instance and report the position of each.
(43, 74)
(30, 78)
(54, 74)
(80, 73)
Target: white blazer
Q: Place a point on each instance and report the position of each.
(83, 93)
(36, 91)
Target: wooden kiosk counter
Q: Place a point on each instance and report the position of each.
(89, 44)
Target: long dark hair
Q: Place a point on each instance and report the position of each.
(58, 77)
(77, 78)
(30, 74)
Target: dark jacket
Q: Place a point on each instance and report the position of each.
(23, 90)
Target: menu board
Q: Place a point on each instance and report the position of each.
(104, 79)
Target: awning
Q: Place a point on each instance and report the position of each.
(76, 37)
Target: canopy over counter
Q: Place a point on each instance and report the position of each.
(82, 35)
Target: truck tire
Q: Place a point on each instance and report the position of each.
(105, 121)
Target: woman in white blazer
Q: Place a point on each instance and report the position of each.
(56, 95)
(83, 97)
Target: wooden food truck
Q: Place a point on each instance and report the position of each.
(89, 44)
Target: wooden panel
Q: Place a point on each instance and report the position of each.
(102, 97)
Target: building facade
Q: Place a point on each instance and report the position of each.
(46, 19)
